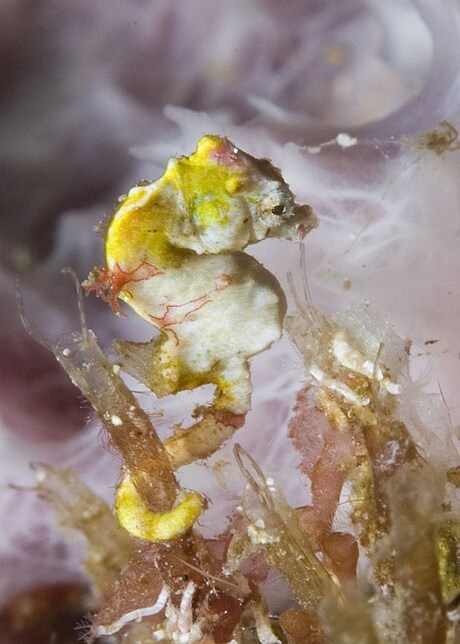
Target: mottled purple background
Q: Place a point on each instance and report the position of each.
(97, 95)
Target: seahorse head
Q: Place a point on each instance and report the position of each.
(231, 199)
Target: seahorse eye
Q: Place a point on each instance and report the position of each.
(279, 209)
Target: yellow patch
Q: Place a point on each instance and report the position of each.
(227, 398)
(233, 184)
(205, 184)
(206, 145)
(201, 184)
(144, 524)
(209, 210)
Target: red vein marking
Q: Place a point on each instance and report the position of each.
(171, 317)
(107, 283)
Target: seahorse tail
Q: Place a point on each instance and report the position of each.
(142, 523)
(204, 437)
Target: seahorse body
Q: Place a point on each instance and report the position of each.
(174, 254)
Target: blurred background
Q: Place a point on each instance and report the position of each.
(96, 96)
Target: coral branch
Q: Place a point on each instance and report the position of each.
(353, 367)
(275, 527)
(129, 429)
(128, 426)
(78, 508)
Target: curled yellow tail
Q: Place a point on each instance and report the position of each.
(142, 523)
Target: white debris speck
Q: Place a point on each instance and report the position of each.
(261, 536)
(40, 476)
(66, 352)
(260, 523)
(116, 368)
(335, 385)
(353, 359)
(317, 373)
(392, 387)
(345, 140)
(370, 367)
(393, 449)
(116, 420)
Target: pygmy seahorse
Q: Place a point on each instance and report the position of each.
(174, 254)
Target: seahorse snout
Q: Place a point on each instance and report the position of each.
(297, 225)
